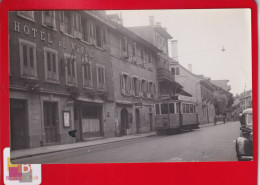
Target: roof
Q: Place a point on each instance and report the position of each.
(162, 31)
(133, 35)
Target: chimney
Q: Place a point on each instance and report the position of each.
(174, 44)
(151, 18)
(190, 67)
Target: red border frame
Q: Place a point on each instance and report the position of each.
(244, 173)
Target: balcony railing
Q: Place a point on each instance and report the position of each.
(165, 74)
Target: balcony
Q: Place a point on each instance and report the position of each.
(164, 75)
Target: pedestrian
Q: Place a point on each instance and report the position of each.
(224, 118)
(215, 120)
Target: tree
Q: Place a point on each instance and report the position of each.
(220, 103)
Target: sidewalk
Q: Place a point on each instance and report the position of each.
(57, 148)
(211, 124)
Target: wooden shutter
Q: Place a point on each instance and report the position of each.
(121, 82)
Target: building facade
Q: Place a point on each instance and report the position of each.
(245, 99)
(60, 78)
(198, 87)
(133, 62)
(76, 76)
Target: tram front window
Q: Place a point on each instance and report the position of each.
(164, 108)
(171, 105)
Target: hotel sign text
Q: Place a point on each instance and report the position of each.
(47, 37)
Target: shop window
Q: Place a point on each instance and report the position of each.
(101, 77)
(51, 65)
(164, 108)
(66, 22)
(28, 66)
(48, 19)
(71, 77)
(171, 106)
(87, 74)
(27, 15)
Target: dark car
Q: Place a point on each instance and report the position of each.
(244, 143)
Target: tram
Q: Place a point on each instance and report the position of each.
(176, 114)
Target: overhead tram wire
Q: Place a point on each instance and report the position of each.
(200, 51)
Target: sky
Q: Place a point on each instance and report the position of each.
(201, 35)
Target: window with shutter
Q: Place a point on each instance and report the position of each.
(48, 19)
(87, 74)
(77, 26)
(71, 73)
(66, 22)
(98, 36)
(101, 76)
(28, 65)
(85, 29)
(51, 65)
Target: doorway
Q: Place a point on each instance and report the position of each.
(51, 122)
(19, 124)
(124, 122)
(151, 121)
(137, 120)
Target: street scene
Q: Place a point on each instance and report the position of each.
(130, 86)
(184, 147)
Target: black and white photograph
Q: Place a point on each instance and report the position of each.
(130, 86)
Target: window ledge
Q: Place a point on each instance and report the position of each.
(71, 85)
(85, 42)
(46, 26)
(29, 77)
(101, 90)
(87, 88)
(52, 81)
(102, 49)
(71, 36)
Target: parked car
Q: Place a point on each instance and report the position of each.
(244, 143)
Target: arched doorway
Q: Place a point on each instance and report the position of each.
(124, 122)
(137, 120)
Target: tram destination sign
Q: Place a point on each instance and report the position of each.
(187, 98)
